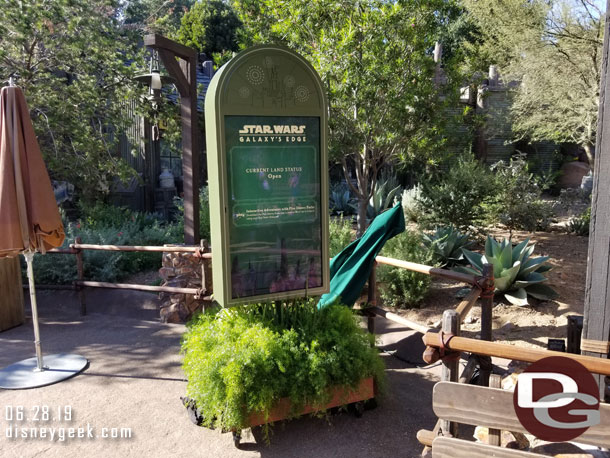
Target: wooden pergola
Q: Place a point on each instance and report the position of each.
(181, 63)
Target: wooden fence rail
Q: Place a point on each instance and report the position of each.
(428, 270)
(530, 355)
(78, 247)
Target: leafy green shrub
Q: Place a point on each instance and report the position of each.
(103, 215)
(519, 204)
(579, 225)
(401, 287)
(340, 200)
(246, 358)
(204, 213)
(98, 228)
(340, 235)
(410, 202)
(516, 273)
(459, 196)
(446, 245)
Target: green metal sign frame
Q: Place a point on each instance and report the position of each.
(266, 119)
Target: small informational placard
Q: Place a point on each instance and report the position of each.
(267, 166)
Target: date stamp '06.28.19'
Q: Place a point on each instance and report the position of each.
(53, 424)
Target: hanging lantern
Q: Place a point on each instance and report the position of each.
(154, 80)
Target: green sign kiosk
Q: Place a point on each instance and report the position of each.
(266, 128)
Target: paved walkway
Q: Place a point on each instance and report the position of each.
(135, 380)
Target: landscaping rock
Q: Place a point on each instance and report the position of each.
(572, 175)
(470, 319)
(507, 327)
(182, 270)
(170, 314)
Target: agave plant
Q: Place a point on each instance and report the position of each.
(579, 225)
(516, 273)
(341, 201)
(382, 198)
(446, 245)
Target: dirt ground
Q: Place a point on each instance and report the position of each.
(529, 325)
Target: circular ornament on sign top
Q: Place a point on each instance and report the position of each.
(301, 93)
(255, 75)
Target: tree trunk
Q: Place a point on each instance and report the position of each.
(589, 149)
(361, 218)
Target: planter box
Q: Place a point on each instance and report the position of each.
(340, 396)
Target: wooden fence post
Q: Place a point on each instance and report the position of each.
(81, 276)
(494, 436)
(206, 272)
(451, 325)
(487, 302)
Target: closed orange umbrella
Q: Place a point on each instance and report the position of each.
(29, 218)
(29, 223)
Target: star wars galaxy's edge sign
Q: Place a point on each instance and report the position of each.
(267, 166)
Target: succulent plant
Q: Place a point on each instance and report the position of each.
(446, 245)
(579, 225)
(516, 273)
(341, 201)
(411, 203)
(383, 197)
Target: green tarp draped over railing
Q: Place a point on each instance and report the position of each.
(350, 269)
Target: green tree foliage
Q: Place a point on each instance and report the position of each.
(375, 59)
(75, 66)
(155, 16)
(210, 26)
(553, 48)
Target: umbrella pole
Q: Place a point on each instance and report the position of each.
(29, 258)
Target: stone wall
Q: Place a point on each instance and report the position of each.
(184, 270)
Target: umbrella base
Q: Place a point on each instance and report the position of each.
(25, 374)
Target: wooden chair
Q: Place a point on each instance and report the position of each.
(492, 408)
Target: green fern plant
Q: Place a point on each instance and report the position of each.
(446, 245)
(516, 273)
(245, 359)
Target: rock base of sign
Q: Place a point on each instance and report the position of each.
(182, 270)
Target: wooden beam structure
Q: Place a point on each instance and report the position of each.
(185, 73)
(596, 322)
